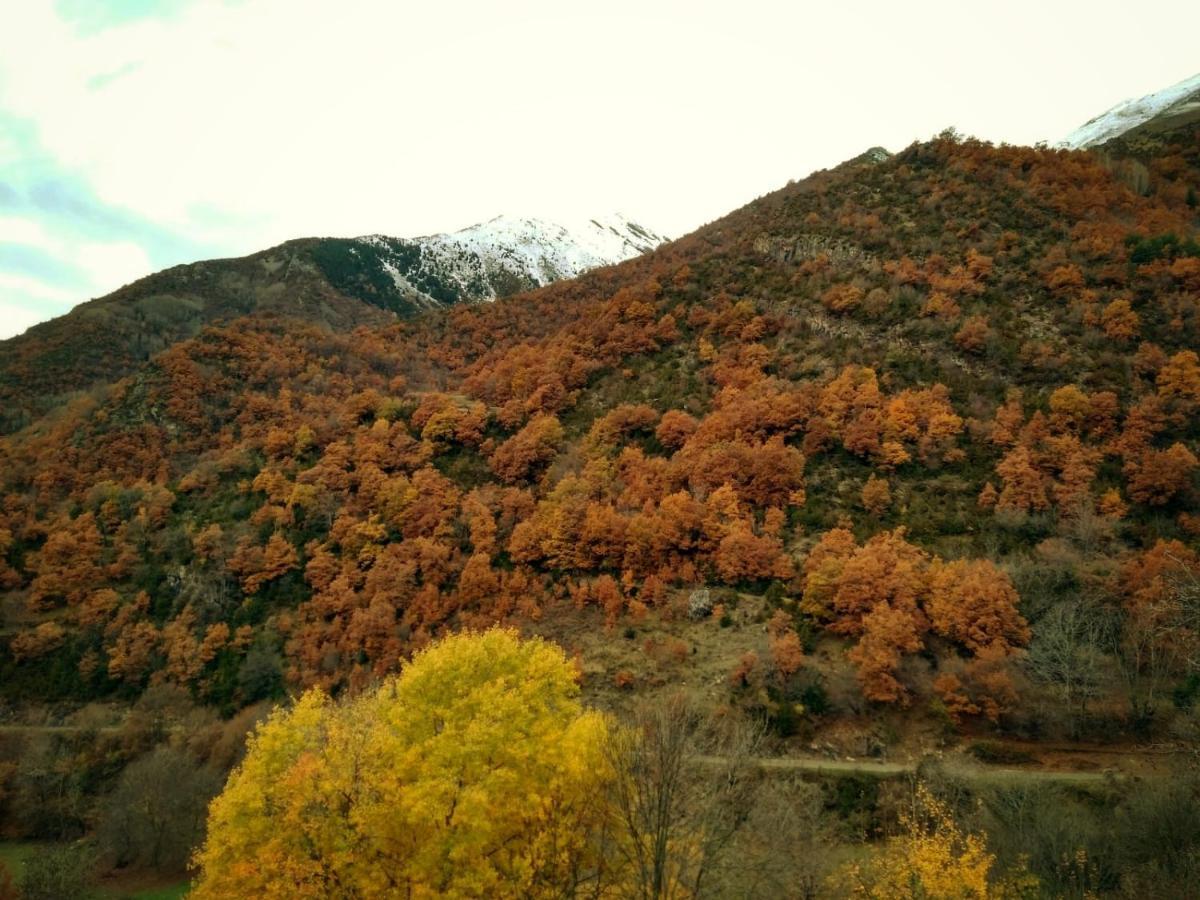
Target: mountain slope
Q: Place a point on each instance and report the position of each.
(1167, 109)
(908, 413)
(336, 283)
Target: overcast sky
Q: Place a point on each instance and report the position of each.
(136, 134)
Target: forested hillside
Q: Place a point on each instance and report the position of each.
(912, 441)
(898, 457)
(958, 373)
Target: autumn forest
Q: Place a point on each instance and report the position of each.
(880, 494)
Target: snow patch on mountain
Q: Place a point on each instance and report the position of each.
(548, 251)
(1130, 114)
(504, 255)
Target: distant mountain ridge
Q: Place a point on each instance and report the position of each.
(335, 283)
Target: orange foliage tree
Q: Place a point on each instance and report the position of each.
(532, 446)
(889, 594)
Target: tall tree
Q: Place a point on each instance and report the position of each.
(475, 772)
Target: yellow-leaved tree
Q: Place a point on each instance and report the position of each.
(475, 772)
(933, 859)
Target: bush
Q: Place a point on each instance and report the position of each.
(1164, 246)
(1185, 692)
(855, 800)
(58, 873)
(815, 700)
(260, 676)
(155, 815)
(783, 719)
(994, 753)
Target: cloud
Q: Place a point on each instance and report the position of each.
(115, 262)
(43, 274)
(15, 318)
(87, 17)
(31, 287)
(59, 243)
(35, 262)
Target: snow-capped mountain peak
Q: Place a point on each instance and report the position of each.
(1176, 100)
(501, 256)
(546, 251)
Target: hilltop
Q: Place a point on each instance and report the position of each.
(334, 283)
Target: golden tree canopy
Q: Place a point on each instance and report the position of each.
(475, 772)
(932, 858)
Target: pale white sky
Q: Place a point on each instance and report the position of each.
(135, 134)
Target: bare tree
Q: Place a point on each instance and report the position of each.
(155, 815)
(1159, 639)
(684, 786)
(1185, 614)
(1147, 652)
(1067, 653)
(781, 849)
(48, 796)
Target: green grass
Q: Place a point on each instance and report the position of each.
(13, 855)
